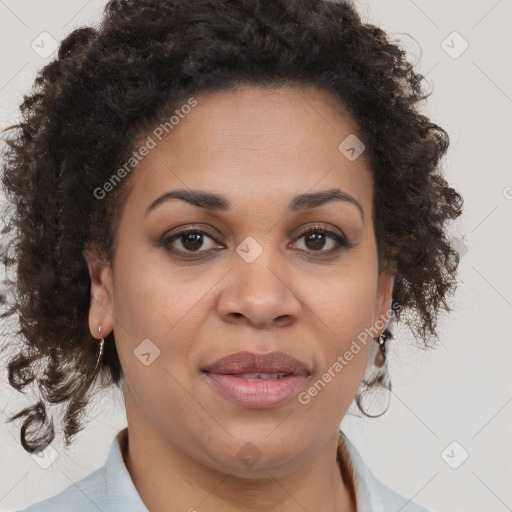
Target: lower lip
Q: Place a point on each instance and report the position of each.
(257, 394)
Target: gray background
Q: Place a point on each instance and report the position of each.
(462, 391)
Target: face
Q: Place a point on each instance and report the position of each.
(260, 272)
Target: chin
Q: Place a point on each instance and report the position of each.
(254, 455)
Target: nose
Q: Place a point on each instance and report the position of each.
(259, 293)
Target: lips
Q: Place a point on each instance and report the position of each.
(250, 364)
(257, 381)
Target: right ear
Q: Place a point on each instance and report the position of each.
(101, 302)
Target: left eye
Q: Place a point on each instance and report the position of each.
(317, 236)
(315, 239)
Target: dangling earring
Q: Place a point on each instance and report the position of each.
(100, 354)
(374, 393)
(380, 357)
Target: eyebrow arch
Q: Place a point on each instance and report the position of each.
(215, 202)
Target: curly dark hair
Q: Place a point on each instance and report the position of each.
(110, 84)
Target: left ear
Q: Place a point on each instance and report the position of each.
(384, 300)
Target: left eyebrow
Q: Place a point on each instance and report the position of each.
(307, 201)
(216, 202)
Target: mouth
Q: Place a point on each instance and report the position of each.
(257, 381)
(252, 364)
(261, 376)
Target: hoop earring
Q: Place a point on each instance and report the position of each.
(374, 393)
(100, 354)
(380, 358)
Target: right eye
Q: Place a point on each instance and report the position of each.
(190, 239)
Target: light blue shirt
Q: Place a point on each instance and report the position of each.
(111, 489)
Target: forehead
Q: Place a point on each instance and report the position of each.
(251, 143)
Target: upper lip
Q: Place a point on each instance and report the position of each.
(250, 362)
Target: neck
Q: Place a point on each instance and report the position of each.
(164, 475)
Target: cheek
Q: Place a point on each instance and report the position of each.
(353, 308)
(345, 300)
(156, 320)
(157, 303)
(344, 313)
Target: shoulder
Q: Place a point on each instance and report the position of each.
(391, 500)
(108, 488)
(86, 495)
(372, 495)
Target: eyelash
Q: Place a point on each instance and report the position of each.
(342, 242)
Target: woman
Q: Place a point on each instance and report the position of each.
(220, 206)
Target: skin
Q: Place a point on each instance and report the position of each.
(258, 147)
